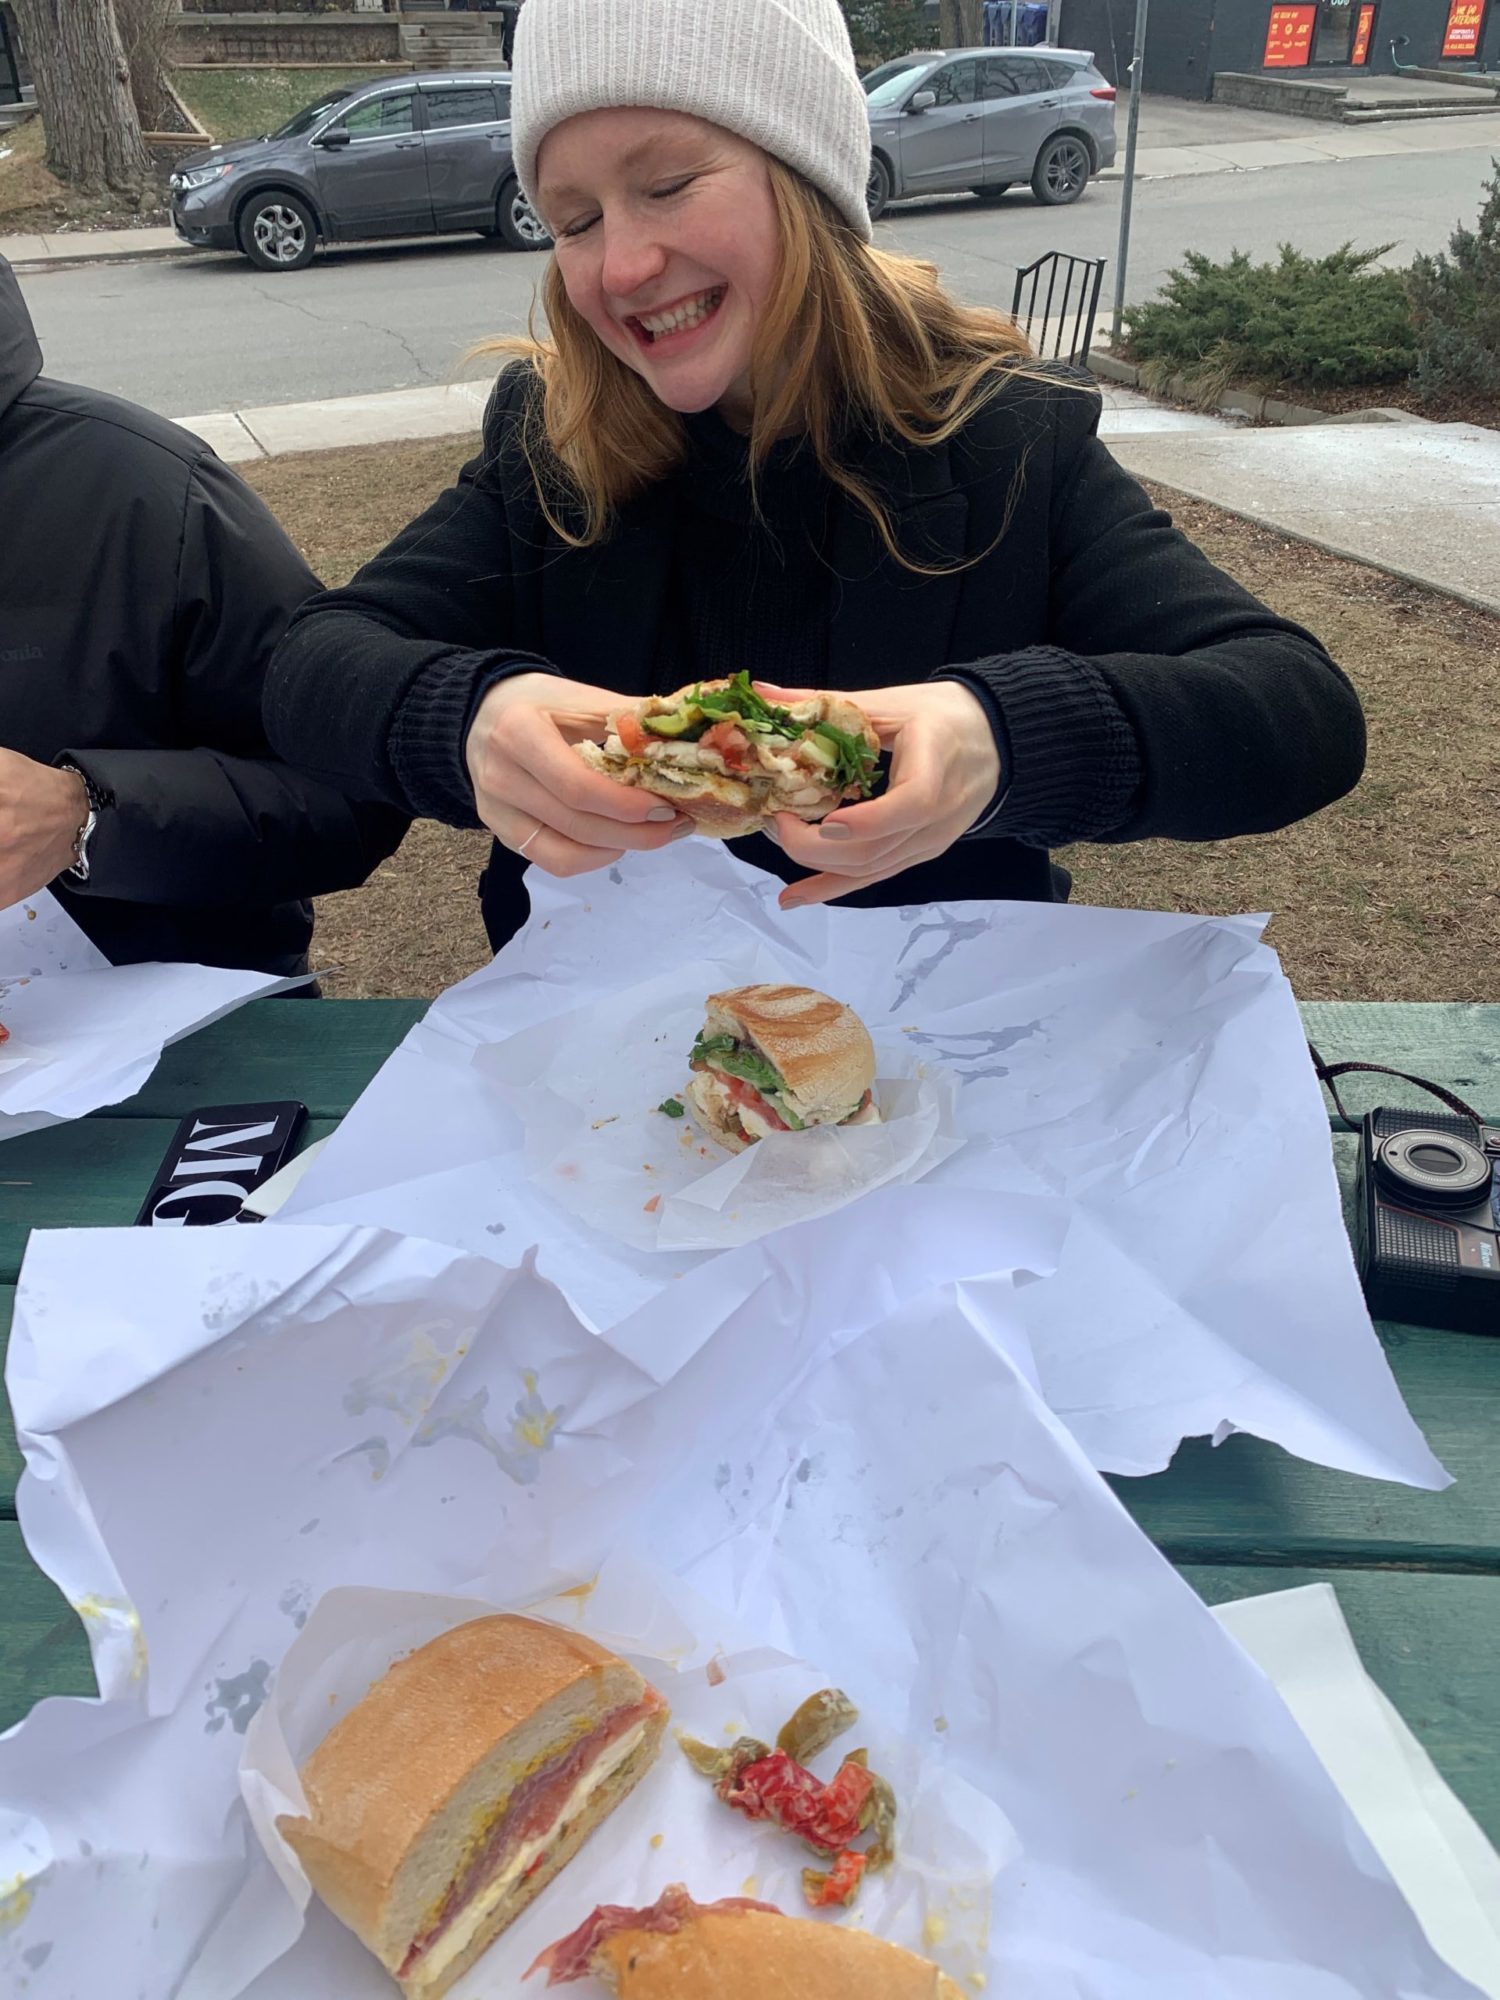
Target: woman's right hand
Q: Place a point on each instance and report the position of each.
(533, 792)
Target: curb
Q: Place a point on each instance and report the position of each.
(67, 260)
(1234, 403)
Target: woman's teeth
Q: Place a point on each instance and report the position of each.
(691, 313)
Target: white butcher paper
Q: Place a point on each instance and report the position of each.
(1148, 1070)
(84, 1033)
(827, 1464)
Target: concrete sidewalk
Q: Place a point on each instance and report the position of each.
(1420, 501)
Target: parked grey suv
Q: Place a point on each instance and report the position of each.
(407, 156)
(985, 118)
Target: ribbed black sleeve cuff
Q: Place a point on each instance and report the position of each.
(432, 726)
(1075, 763)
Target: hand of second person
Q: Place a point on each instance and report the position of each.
(41, 812)
(533, 793)
(945, 771)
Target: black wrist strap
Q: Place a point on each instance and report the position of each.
(1328, 1071)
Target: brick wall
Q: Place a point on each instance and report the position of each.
(279, 38)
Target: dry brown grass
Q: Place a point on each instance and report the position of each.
(1391, 894)
(33, 201)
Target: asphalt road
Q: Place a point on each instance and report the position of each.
(214, 334)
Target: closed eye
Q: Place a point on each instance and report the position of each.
(677, 187)
(579, 228)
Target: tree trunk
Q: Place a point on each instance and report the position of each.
(145, 26)
(962, 23)
(83, 93)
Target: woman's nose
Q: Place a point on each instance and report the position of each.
(633, 258)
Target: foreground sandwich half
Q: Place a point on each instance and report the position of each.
(779, 1059)
(736, 1950)
(729, 759)
(451, 1795)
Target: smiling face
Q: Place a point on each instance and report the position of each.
(668, 246)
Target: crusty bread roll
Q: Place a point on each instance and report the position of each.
(496, 1747)
(775, 773)
(738, 1951)
(821, 1048)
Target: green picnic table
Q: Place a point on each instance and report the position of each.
(1417, 1574)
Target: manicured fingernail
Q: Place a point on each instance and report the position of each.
(681, 832)
(661, 813)
(835, 830)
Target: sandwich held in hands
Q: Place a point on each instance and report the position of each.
(779, 1059)
(735, 1950)
(472, 1771)
(776, 1785)
(728, 758)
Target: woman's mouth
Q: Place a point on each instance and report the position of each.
(673, 323)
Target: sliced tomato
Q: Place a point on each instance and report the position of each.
(731, 742)
(746, 1094)
(631, 734)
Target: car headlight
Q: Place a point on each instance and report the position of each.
(197, 177)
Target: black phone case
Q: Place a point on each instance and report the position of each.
(217, 1157)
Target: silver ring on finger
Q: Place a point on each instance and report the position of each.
(529, 838)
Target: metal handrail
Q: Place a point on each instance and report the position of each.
(1087, 273)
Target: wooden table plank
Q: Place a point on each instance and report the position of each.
(322, 1053)
(93, 1173)
(43, 1649)
(1456, 1044)
(1430, 1642)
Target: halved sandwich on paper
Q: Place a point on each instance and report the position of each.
(780, 1059)
(735, 1950)
(453, 1792)
(730, 759)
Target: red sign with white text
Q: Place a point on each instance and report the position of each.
(1462, 38)
(1362, 30)
(1289, 35)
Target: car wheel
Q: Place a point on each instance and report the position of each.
(878, 188)
(278, 232)
(1061, 172)
(993, 193)
(520, 226)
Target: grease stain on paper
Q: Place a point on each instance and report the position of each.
(376, 1450)
(295, 1602)
(37, 1957)
(408, 1389)
(15, 1903)
(117, 1613)
(238, 1699)
(975, 1055)
(519, 1454)
(954, 931)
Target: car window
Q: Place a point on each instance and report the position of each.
(502, 93)
(474, 104)
(956, 83)
(1065, 76)
(380, 116)
(310, 115)
(1023, 78)
(998, 81)
(889, 84)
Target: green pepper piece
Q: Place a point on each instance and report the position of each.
(673, 1107)
(821, 1719)
(880, 1815)
(675, 722)
(716, 1765)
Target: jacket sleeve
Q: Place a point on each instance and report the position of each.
(227, 824)
(1171, 704)
(375, 684)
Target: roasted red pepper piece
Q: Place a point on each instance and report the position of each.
(840, 1885)
(778, 1788)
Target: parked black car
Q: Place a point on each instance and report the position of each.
(404, 156)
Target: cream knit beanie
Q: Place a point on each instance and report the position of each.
(778, 72)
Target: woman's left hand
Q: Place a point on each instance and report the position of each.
(945, 771)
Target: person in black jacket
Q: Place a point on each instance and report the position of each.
(142, 587)
(752, 441)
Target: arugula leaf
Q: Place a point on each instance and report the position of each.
(856, 760)
(740, 703)
(724, 1053)
(673, 1107)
